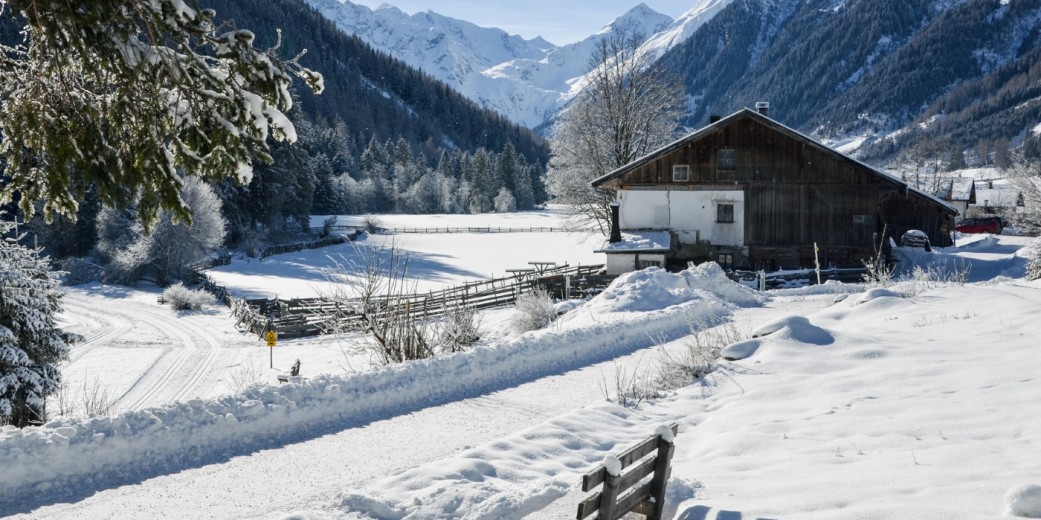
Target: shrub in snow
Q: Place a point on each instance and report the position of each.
(76, 271)
(698, 354)
(370, 224)
(505, 202)
(31, 346)
(458, 329)
(182, 298)
(327, 226)
(534, 310)
(1034, 262)
(630, 388)
(1024, 501)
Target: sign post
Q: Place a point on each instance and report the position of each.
(272, 338)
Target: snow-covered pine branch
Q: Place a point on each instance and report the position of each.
(127, 95)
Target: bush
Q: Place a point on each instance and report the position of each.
(459, 329)
(698, 354)
(534, 311)
(182, 298)
(1034, 262)
(370, 224)
(327, 227)
(80, 271)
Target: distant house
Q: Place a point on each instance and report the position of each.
(750, 193)
(998, 200)
(959, 192)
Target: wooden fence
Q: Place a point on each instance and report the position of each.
(782, 279)
(628, 492)
(314, 244)
(300, 317)
(476, 230)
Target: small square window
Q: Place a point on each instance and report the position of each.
(680, 173)
(726, 160)
(726, 260)
(724, 213)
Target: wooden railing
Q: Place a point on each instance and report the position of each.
(314, 244)
(300, 317)
(531, 229)
(627, 491)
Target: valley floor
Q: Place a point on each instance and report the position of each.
(915, 401)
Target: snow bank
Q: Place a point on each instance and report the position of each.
(654, 289)
(1024, 501)
(139, 444)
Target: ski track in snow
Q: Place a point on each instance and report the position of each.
(188, 356)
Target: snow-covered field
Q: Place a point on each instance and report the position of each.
(436, 260)
(916, 401)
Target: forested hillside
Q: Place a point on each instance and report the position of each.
(861, 67)
(382, 137)
(375, 95)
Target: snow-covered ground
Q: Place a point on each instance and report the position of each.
(436, 260)
(916, 401)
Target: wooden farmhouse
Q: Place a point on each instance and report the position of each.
(750, 193)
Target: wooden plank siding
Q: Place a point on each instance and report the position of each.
(797, 192)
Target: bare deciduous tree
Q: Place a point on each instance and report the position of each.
(626, 109)
(1025, 175)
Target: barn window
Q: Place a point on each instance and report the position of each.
(726, 160)
(724, 212)
(726, 260)
(680, 173)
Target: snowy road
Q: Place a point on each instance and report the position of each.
(300, 475)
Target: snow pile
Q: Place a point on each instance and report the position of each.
(135, 444)
(1024, 501)
(654, 289)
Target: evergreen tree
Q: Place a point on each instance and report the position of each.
(31, 345)
(125, 96)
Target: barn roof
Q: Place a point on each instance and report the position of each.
(746, 113)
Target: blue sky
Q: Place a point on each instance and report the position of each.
(559, 21)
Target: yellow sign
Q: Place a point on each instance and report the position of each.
(271, 337)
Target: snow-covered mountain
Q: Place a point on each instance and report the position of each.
(526, 80)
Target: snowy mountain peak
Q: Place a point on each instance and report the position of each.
(640, 20)
(683, 27)
(527, 80)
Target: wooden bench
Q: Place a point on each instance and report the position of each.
(160, 299)
(626, 492)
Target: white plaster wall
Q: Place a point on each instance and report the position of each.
(690, 214)
(643, 209)
(618, 263)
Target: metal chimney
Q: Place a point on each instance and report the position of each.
(713, 118)
(763, 107)
(616, 232)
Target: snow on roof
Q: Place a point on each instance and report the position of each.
(961, 188)
(638, 242)
(997, 197)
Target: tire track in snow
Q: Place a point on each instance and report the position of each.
(98, 327)
(189, 353)
(182, 375)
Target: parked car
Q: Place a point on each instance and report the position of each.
(992, 225)
(915, 238)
